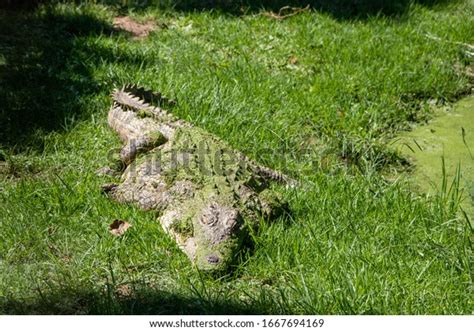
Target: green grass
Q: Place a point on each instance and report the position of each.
(317, 96)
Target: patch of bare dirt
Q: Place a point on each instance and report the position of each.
(136, 29)
(118, 227)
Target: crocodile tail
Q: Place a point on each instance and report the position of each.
(276, 176)
(132, 97)
(149, 96)
(128, 100)
(270, 174)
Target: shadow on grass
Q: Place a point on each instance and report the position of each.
(42, 72)
(340, 9)
(145, 302)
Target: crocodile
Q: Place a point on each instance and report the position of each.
(207, 195)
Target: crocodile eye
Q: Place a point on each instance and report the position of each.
(210, 215)
(212, 259)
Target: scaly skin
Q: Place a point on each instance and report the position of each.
(207, 193)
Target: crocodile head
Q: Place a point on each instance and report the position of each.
(209, 232)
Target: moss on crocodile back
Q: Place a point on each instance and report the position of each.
(183, 227)
(201, 157)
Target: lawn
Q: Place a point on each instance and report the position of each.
(319, 95)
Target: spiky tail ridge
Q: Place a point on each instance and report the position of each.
(139, 99)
